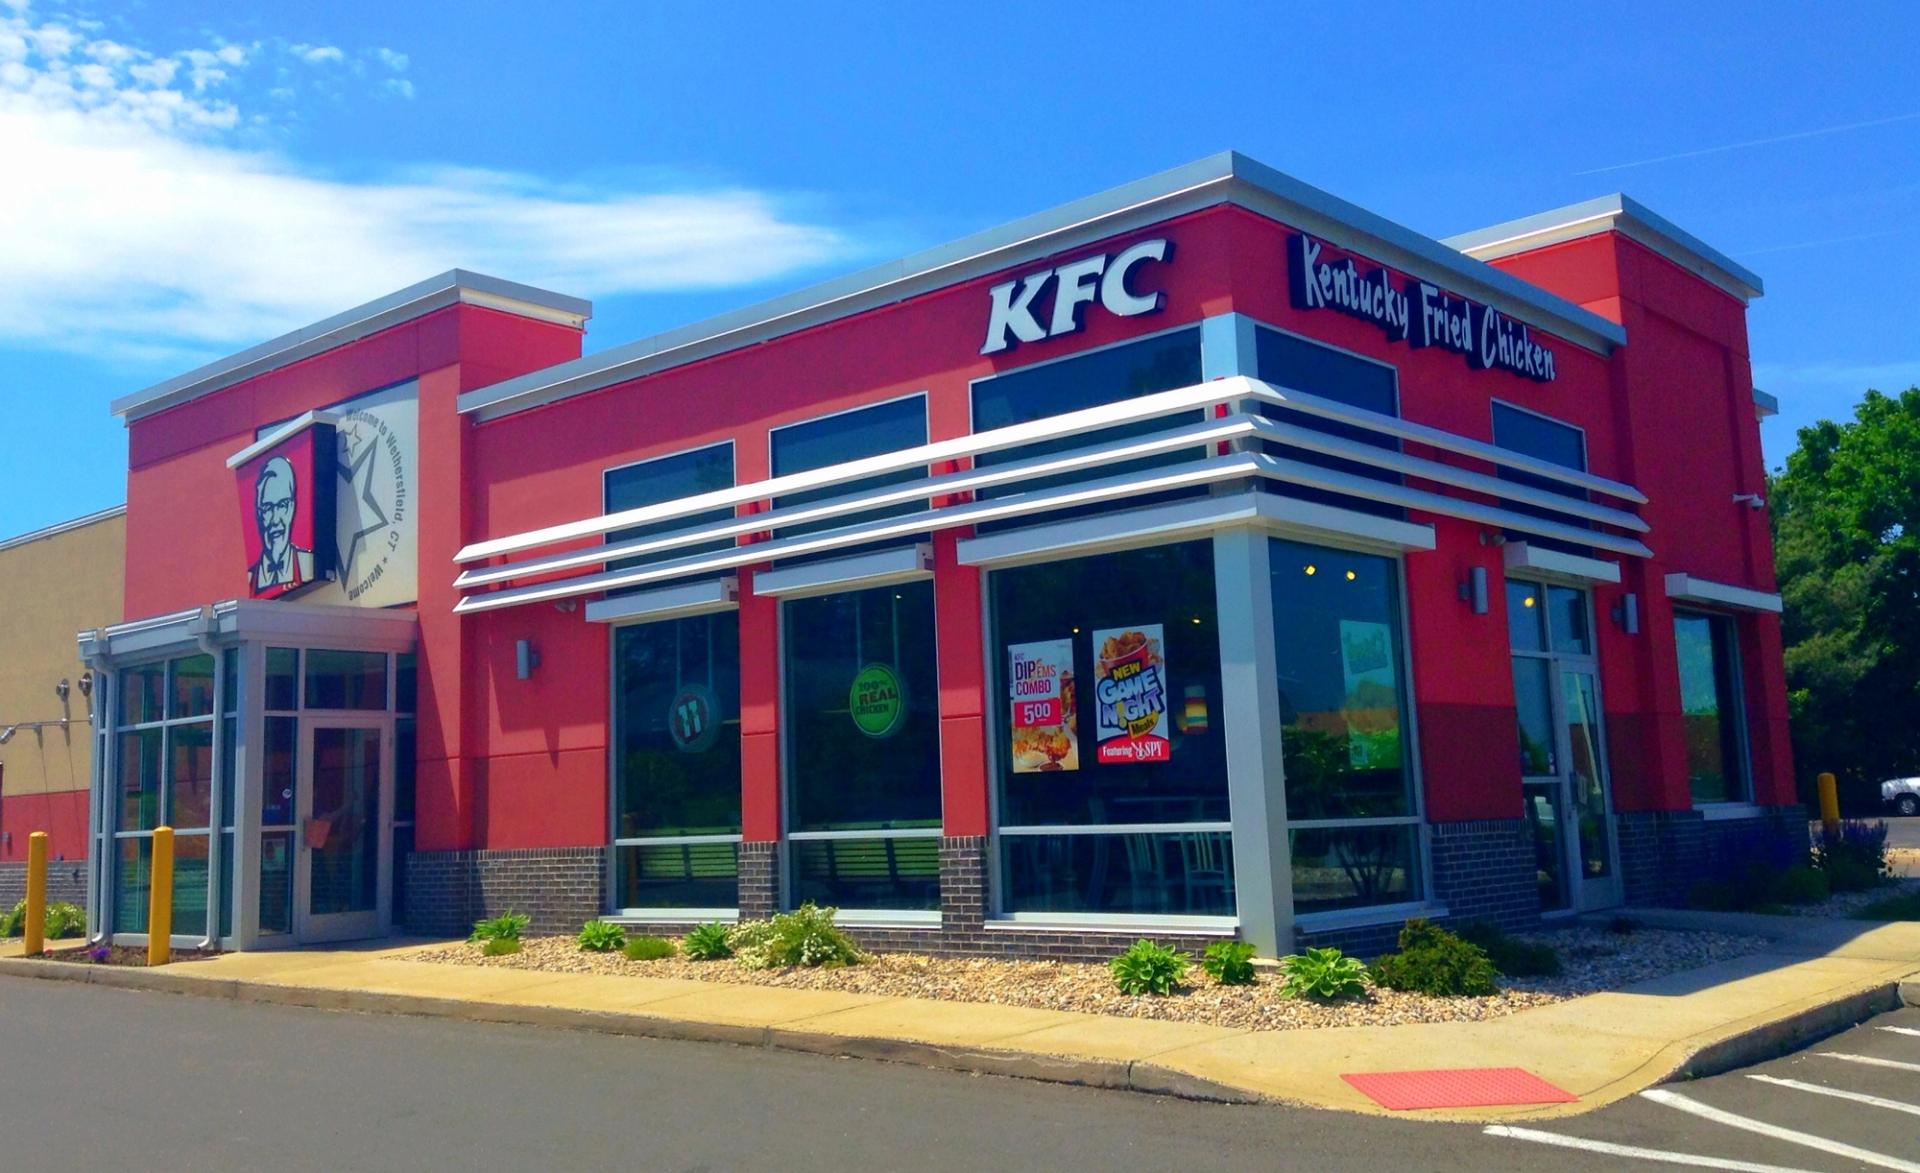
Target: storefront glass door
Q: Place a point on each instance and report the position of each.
(1563, 762)
(339, 878)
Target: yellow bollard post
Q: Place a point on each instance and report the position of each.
(1830, 803)
(160, 899)
(36, 893)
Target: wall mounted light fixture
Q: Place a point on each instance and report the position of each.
(1627, 613)
(525, 659)
(1474, 590)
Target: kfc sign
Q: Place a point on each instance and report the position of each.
(287, 503)
(1015, 308)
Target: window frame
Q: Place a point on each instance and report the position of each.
(1424, 900)
(1739, 795)
(611, 869)
(1586, 453)
(783, 861)
(606, 474)
(994, 719)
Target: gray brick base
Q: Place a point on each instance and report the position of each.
(759, 879)
(559, 887)
(66, 883)
(1663, 854)
(1482, 870)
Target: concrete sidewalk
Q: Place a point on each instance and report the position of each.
(1813, 977)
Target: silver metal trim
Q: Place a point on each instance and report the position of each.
(1225, 178)
(453, 287)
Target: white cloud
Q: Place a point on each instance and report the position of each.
(392, 60)
(399, 87)
(319, 54)
(148, 223)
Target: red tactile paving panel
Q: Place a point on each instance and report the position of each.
(1457, 1087)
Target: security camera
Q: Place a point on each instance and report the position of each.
(6, 734)
(1750, 500)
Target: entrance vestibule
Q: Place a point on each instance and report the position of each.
(276, 739)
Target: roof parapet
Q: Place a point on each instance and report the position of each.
(1613, 213)
(455, 286)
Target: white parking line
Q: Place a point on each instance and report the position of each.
(1627, 1150)
(1870, 1061)
(1856, 1097)
(1902, 1030)
(1830, 1147)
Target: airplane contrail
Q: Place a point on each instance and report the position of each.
(1758, 142)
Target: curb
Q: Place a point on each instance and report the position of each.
(1114, 1074)
(1770, 1040)
(1910, 991)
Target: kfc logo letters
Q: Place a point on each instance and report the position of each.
(1073, 286)
(287, 497)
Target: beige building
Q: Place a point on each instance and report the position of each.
(54, 582)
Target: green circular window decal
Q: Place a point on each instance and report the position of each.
(877, 701)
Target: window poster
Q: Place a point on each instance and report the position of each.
(1130, 694)
(1372, 703)
(1041, 688)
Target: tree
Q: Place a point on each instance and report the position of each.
(1846, 532)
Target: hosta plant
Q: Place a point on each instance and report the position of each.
(1148, 967)
(1229, 962)
(1322, 975)
(707, 942)
(597, 936)
(506, 927)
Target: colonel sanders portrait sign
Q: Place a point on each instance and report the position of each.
(328, 510)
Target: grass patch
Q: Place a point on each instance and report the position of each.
(1903, 907)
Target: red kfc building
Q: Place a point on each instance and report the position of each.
(1208, 556)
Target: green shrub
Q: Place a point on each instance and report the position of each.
(1229, 962)
(1719, 896)
(1905, 906)
(501, 946)
(62, 920)
(1513, 956)
(1148, 967)
(648, 949)
(1433, 961)
(1853, 855)
(506, 927)
(1322, 975)
(707, 942)
(806, 937)
(1799, 884)
(597, 936)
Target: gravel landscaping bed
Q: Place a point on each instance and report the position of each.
(1845, 904)
(1594, 958)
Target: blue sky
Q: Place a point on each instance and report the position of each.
(185, 179)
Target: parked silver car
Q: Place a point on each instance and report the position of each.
(1902, 794)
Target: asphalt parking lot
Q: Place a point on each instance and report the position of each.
(1851, 1102)
(187, 1083)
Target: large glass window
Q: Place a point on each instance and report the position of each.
(1711, 709)
(1543, 439)
(1110, 755)
(1347, 752)
(850, 435)
(1127, 371)
(861, 715)
(1287, 360)
(166, 765)
(676, 813)
(669, 478)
